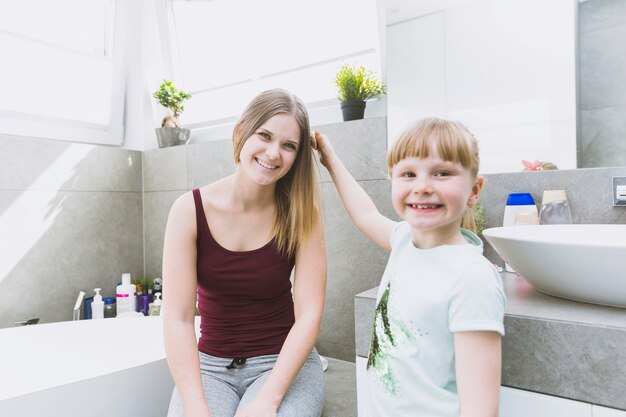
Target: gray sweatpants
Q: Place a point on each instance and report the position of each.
(227, 390)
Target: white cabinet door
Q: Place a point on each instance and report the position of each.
(513, 402)
(520, 403)
(607, 412)
(362, 387)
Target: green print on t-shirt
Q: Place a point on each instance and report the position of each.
(384, 338)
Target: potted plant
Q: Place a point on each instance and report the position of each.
(170, 133)
(355, 84)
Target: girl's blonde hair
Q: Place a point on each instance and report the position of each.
(454, 143)
(296, 194)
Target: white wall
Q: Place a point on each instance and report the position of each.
(505, 68)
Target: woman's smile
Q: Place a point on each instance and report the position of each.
(266, 165)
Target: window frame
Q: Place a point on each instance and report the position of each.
(18, 124)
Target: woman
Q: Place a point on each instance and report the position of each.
(235, 242)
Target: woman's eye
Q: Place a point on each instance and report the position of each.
(264, 135)
(291, 147)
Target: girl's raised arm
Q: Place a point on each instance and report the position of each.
(357, 203)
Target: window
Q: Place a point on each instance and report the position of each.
(230, 50)
(63, 77)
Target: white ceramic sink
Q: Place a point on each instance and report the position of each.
(581, 262)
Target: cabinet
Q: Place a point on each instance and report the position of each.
(606, 412)
(513, 402)
(521, 403)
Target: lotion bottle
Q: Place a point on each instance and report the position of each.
(155, 307)
(126, 295)
(97, 306)
(520, 210)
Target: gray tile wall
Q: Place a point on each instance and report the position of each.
(168, 174)
(602, 30)
(70, 220)
(355, 263)
(589, 193)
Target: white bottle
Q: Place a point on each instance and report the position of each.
(154, 309)
(520, 210)
(126, 295)
(97, 306)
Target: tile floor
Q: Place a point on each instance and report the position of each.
(340, 378)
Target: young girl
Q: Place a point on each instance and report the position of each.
(436, 348)
(234, 243)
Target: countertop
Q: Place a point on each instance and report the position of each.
(554, 346)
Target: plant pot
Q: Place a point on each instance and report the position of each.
(352, 110)
(172, 136)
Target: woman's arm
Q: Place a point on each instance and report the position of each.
(478, 357)
(308, 294)
(179, 301)
(357, 203)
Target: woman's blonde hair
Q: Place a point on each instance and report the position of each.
(452, 140)
(296, 194)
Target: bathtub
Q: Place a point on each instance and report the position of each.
(97, 368)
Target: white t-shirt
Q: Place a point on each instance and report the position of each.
(425, 296)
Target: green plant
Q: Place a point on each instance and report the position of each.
(143, 283)
(171, 97)
(355, 82)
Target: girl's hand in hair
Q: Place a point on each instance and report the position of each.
(321, 143)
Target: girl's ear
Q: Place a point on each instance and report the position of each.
(476, 189)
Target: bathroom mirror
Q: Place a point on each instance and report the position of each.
(534, 80)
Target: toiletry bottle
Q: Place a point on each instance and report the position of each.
(125, 295)
(97, 305)
(158, 285)
(554, 208)
(79, 302)
(87, 308)
(520, 206)
(109, 307)
(144, 303)
(155, 307)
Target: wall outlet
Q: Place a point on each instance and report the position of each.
(619, 191)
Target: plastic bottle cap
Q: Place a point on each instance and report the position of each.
(126, 278)
(520, 199)
(553, 195)
(97, 298)
(109, 300)
(157, 301)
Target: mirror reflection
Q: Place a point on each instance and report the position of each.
(535, 81)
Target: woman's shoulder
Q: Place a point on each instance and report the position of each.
(213, 195)
(183, 204)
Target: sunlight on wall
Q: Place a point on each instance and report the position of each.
(28, 218)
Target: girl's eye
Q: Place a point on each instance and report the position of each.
(291, 146)
(407, 174)
(264, 135)
(442, 174)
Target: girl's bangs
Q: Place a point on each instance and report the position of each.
(452, 142)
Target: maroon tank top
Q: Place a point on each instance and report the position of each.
(244, 298)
